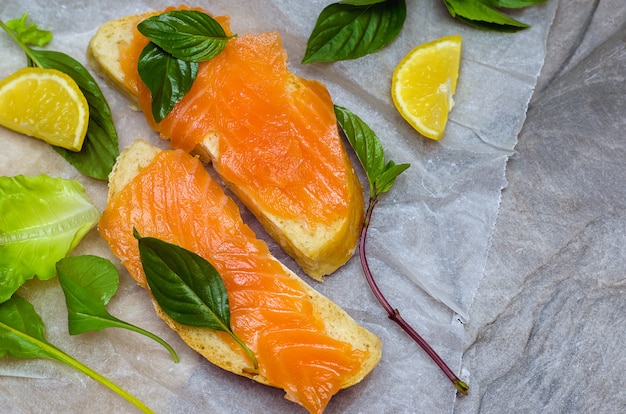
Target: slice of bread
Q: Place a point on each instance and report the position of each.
(319, 249)
(211, 344)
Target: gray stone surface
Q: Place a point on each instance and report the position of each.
(546, 331)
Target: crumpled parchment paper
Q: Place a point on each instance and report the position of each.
(428, 241)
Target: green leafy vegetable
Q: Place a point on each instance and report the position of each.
(22, 335)
(168, 79)
(168, 65)
(366, 145)
(187, 287)
(479, 14)
(100, 148)
(189, 35)
(351, 29)
(89, 282)
(30, 34)
(41, 220)
(381, 177)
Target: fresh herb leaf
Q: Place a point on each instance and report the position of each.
(349, 30)
(381, 177)
(168, 79)
(369, 151)
(100, 148)
(361, 2)
(168, 65)
(513, 4)
(89, 282)
(187, 287)
(479, 14)
(22, 335)
(189, 35)
(42, 219)
(29, 33)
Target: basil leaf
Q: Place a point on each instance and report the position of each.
(369, 151)
(22, 335)
(100, 148)
(346, 31)
(361, 2)
(513, 4)
(189, 35)
(89, 282)
(187, 287)
(480, 15)
(168, 79)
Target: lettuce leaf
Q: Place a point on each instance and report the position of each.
(41, 220)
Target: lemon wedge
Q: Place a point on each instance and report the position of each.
(45, 104)
(424, 82)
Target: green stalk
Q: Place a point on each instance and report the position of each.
(55, 353)
(25, 48)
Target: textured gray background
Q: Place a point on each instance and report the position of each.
(546, 331)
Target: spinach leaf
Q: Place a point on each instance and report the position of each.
(168, 65)
(100, 149)
(168, 79)
(369, 151)
(349, 30)
(89, 282)
(187, 287)
(22, 335)
(186, 34)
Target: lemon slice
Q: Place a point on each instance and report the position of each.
(424, 82)
(45, 104)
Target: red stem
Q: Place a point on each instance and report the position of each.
(394, 314)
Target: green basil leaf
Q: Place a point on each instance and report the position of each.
(361, 2)
(478, 14)
(347, 31)
(168, 79)
(22, 335)
(189, 35)
(187, 287)
(29, 34)
(89, 282)
(369, 151)
(385, 181)
(100, 148)
(513, 4)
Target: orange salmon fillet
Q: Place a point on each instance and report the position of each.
(176, 200)
(278, 139)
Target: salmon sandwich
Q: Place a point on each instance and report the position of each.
(304, 343)
(271, 135)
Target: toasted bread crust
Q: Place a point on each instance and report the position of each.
(319, 251)
(212, 344)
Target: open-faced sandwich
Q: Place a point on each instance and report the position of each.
(271, 135)
(304, 343)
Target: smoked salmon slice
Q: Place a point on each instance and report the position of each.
(304, 343)
(271, 135)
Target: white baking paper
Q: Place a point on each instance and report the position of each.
(427, 245)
